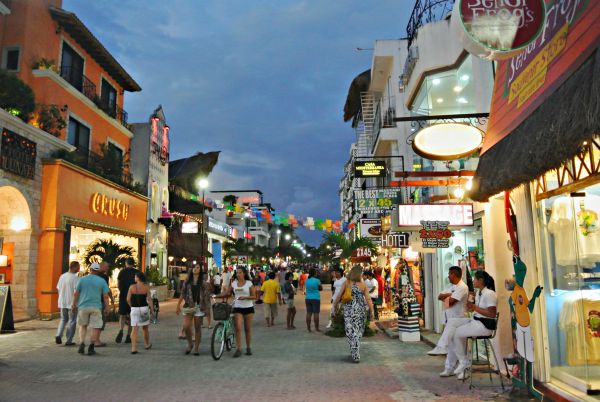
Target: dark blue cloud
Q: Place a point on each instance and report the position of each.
(262, 81)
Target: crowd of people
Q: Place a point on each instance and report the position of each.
(85, 302)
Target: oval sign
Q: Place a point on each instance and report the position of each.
(498, 29)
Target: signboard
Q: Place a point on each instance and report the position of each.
(498, 30)
(6, 313)
(369, 169)
(375, 201)
(108, 206)
(218, 227)
(395, 240)
(361, 254)
(569, 36)
(411, 215)
(371, 229)
(18, 154)
(189, 227)
(435, 234)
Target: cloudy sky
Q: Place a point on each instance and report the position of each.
(264, 82)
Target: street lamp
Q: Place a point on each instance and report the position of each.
(203, 184)
(288, 236)
(278, 236)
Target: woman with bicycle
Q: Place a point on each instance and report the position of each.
(243, 308)
(194, 308)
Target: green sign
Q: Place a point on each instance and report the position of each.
(374, 201)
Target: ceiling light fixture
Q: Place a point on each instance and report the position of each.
(439, 100)
(462, 100)
(464, 77)
(457, 88)
(436, 81)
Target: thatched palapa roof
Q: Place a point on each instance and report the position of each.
(359, 84)
(185, 172)
(552, 134)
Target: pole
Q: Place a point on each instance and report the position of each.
(202, 233)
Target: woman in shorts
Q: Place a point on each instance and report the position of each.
(290, 291)
(194, 308)
(138, 297)
(244, 294)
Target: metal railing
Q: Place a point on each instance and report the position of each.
(6, 3)
(88, 88)
(424, 12)
(82, 83)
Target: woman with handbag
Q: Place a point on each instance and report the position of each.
(355, 298)
(194, 308)
(140, 301)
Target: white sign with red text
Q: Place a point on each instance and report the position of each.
(411, 215)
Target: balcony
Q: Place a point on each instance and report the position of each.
(4, 7)
(88, 89)
(108, 166)
(424, 12)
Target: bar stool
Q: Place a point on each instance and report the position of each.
(487, 341)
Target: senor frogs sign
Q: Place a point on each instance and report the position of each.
(498, 29)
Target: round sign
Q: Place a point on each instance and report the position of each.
(498, 29)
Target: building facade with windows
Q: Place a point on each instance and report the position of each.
(87, 191)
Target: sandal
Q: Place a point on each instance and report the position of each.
(188, 351)
(148, 347)
(134, 352)
(237, 353)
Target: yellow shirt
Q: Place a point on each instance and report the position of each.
(270, 288)
(296, 276)
(521, 303)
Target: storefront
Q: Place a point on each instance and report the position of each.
(77, 210)
(543, 143)
(218, 233)
(22, 148)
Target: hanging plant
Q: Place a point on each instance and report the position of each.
(16, 97)
(50, 119)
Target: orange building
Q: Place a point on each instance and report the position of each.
(87, 194)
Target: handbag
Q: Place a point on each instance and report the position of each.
(144, 315)
(347, 295)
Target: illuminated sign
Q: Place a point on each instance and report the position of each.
(411, 215)
(107, 206)
(189, 227)
(395, 240)
(498, 29)
(369, 169)
(371, 229)
(218, 227)
(18, 154)
(435, 234)
(375, 201)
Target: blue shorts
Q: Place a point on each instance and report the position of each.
(313, 306)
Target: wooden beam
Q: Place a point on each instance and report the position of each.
(455, 173)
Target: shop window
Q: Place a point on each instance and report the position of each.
(570, 244)
(11, 57)
(78, 134)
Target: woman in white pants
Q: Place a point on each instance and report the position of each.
(482, 323)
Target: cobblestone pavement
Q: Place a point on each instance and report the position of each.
(286, 366)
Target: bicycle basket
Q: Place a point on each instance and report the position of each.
(221, 311)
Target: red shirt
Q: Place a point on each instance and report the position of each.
(379, 279)
(262, 276)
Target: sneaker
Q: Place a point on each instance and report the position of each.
(91, 350)
(128, 339)
(58, 340)
(447, 373)
(463, 375)
(237, 353)
(438, 351)
(328, 325)
(69, 343)
(119, 337)
(461, 368)
(81, 349)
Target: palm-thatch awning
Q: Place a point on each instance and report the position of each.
(185, 173)
(359, 84)
(552, 134)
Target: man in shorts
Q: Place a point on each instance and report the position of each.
(125, 279)
(90, 292)
(271, 292)
(290, 291)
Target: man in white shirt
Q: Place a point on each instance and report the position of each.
(373, 288)
(339, 280)
(454, 298)
(217, 283)
(225, 278)
(66, 288)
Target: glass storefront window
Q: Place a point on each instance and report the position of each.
(570, 234)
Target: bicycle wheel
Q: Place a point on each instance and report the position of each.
(217, 344)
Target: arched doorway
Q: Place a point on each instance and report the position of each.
(16, 244)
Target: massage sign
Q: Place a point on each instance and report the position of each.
(108, 206)
(435, 234)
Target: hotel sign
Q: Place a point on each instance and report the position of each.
(395, 240)
(369, 169)
(18, 154)
(412, 215)
(107, 206)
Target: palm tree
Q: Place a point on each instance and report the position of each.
(348, 246)
(107, 250)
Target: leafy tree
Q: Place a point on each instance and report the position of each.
(339, 241)
(107, 250)
(16, 97)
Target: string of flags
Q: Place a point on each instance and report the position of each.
(280, 218)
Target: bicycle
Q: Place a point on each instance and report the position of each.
(223, 336)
